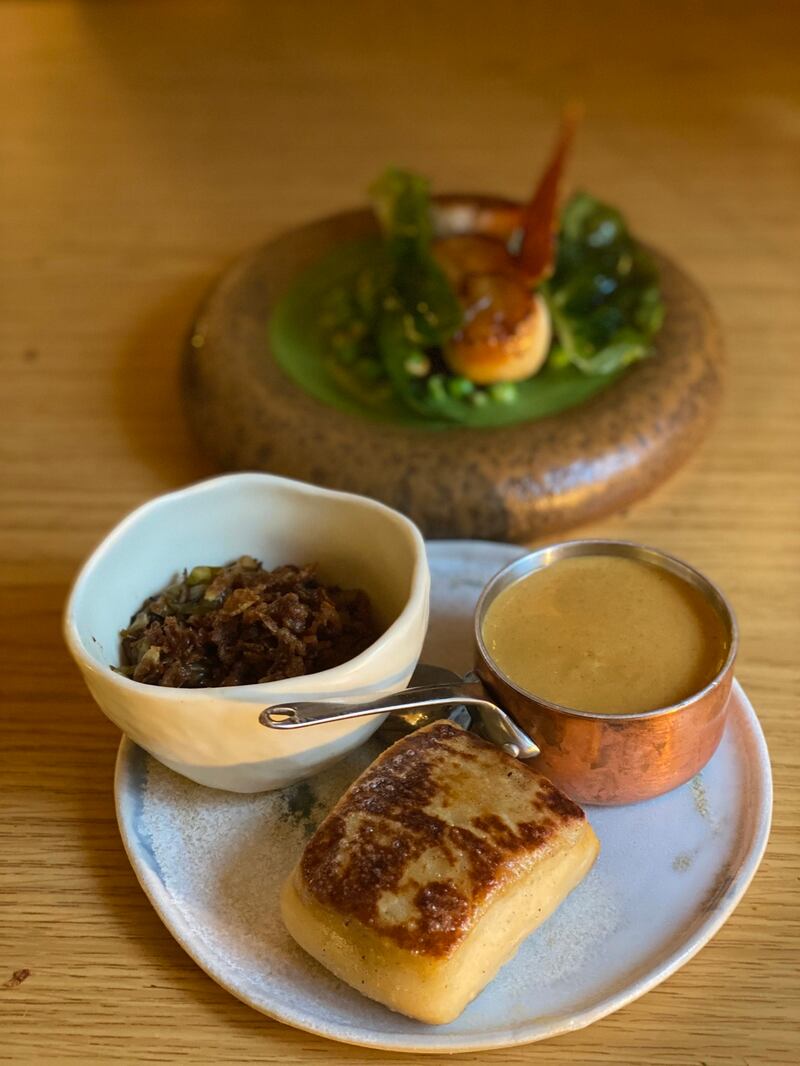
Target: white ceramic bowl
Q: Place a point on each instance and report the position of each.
(213, 735)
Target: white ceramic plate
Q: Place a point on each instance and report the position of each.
(670, 872)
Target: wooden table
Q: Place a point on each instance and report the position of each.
(145, 146)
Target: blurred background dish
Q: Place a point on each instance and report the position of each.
(531, 478)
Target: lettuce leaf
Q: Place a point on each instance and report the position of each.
(431, 312)
(603, 296)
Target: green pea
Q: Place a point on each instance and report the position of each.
(503, 392)
(479, 398)
(436, 387)
(417, 365)
(459, 388)
(559, 357)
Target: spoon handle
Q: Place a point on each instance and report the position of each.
(492, 721)
(307, 712)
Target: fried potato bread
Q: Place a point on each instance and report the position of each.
(431, 870)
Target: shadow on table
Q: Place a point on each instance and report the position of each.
(147, 393)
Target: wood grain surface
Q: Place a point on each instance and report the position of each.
(146, 145)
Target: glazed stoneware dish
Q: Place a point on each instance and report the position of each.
(512, 482)
(612, 758)
(212, 735)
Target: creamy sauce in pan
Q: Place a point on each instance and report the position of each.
(605, 634)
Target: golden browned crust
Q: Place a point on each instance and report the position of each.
(437, 825)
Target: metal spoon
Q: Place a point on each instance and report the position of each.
(418, 705)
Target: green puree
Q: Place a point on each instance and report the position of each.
(366, 327)
(300, 342)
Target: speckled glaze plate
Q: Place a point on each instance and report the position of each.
(508, 484)
(670, 872)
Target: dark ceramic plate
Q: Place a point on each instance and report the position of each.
(512, 483)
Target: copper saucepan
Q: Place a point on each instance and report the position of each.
(614, 758)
